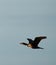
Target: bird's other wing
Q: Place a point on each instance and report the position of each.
(38, 39)
(30, 40)
(24, 43)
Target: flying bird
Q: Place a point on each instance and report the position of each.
(34, 43)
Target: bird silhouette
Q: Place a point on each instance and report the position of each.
(34, 43)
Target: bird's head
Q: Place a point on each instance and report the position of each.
(24, 43)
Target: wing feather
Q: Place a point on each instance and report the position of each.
(30, 40)
(38, 39)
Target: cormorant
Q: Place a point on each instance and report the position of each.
(34, 43)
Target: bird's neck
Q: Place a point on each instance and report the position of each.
(29, 45)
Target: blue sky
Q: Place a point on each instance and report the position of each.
(22, 19)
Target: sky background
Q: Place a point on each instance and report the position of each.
(22, 19)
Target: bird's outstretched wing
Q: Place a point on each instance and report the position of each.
(24, 43)
(30, 40)
(38, 39)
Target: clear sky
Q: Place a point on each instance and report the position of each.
(22, 19)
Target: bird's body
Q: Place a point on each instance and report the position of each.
(34, 43)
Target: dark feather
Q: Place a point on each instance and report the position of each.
(30, 40)
(38, 39)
